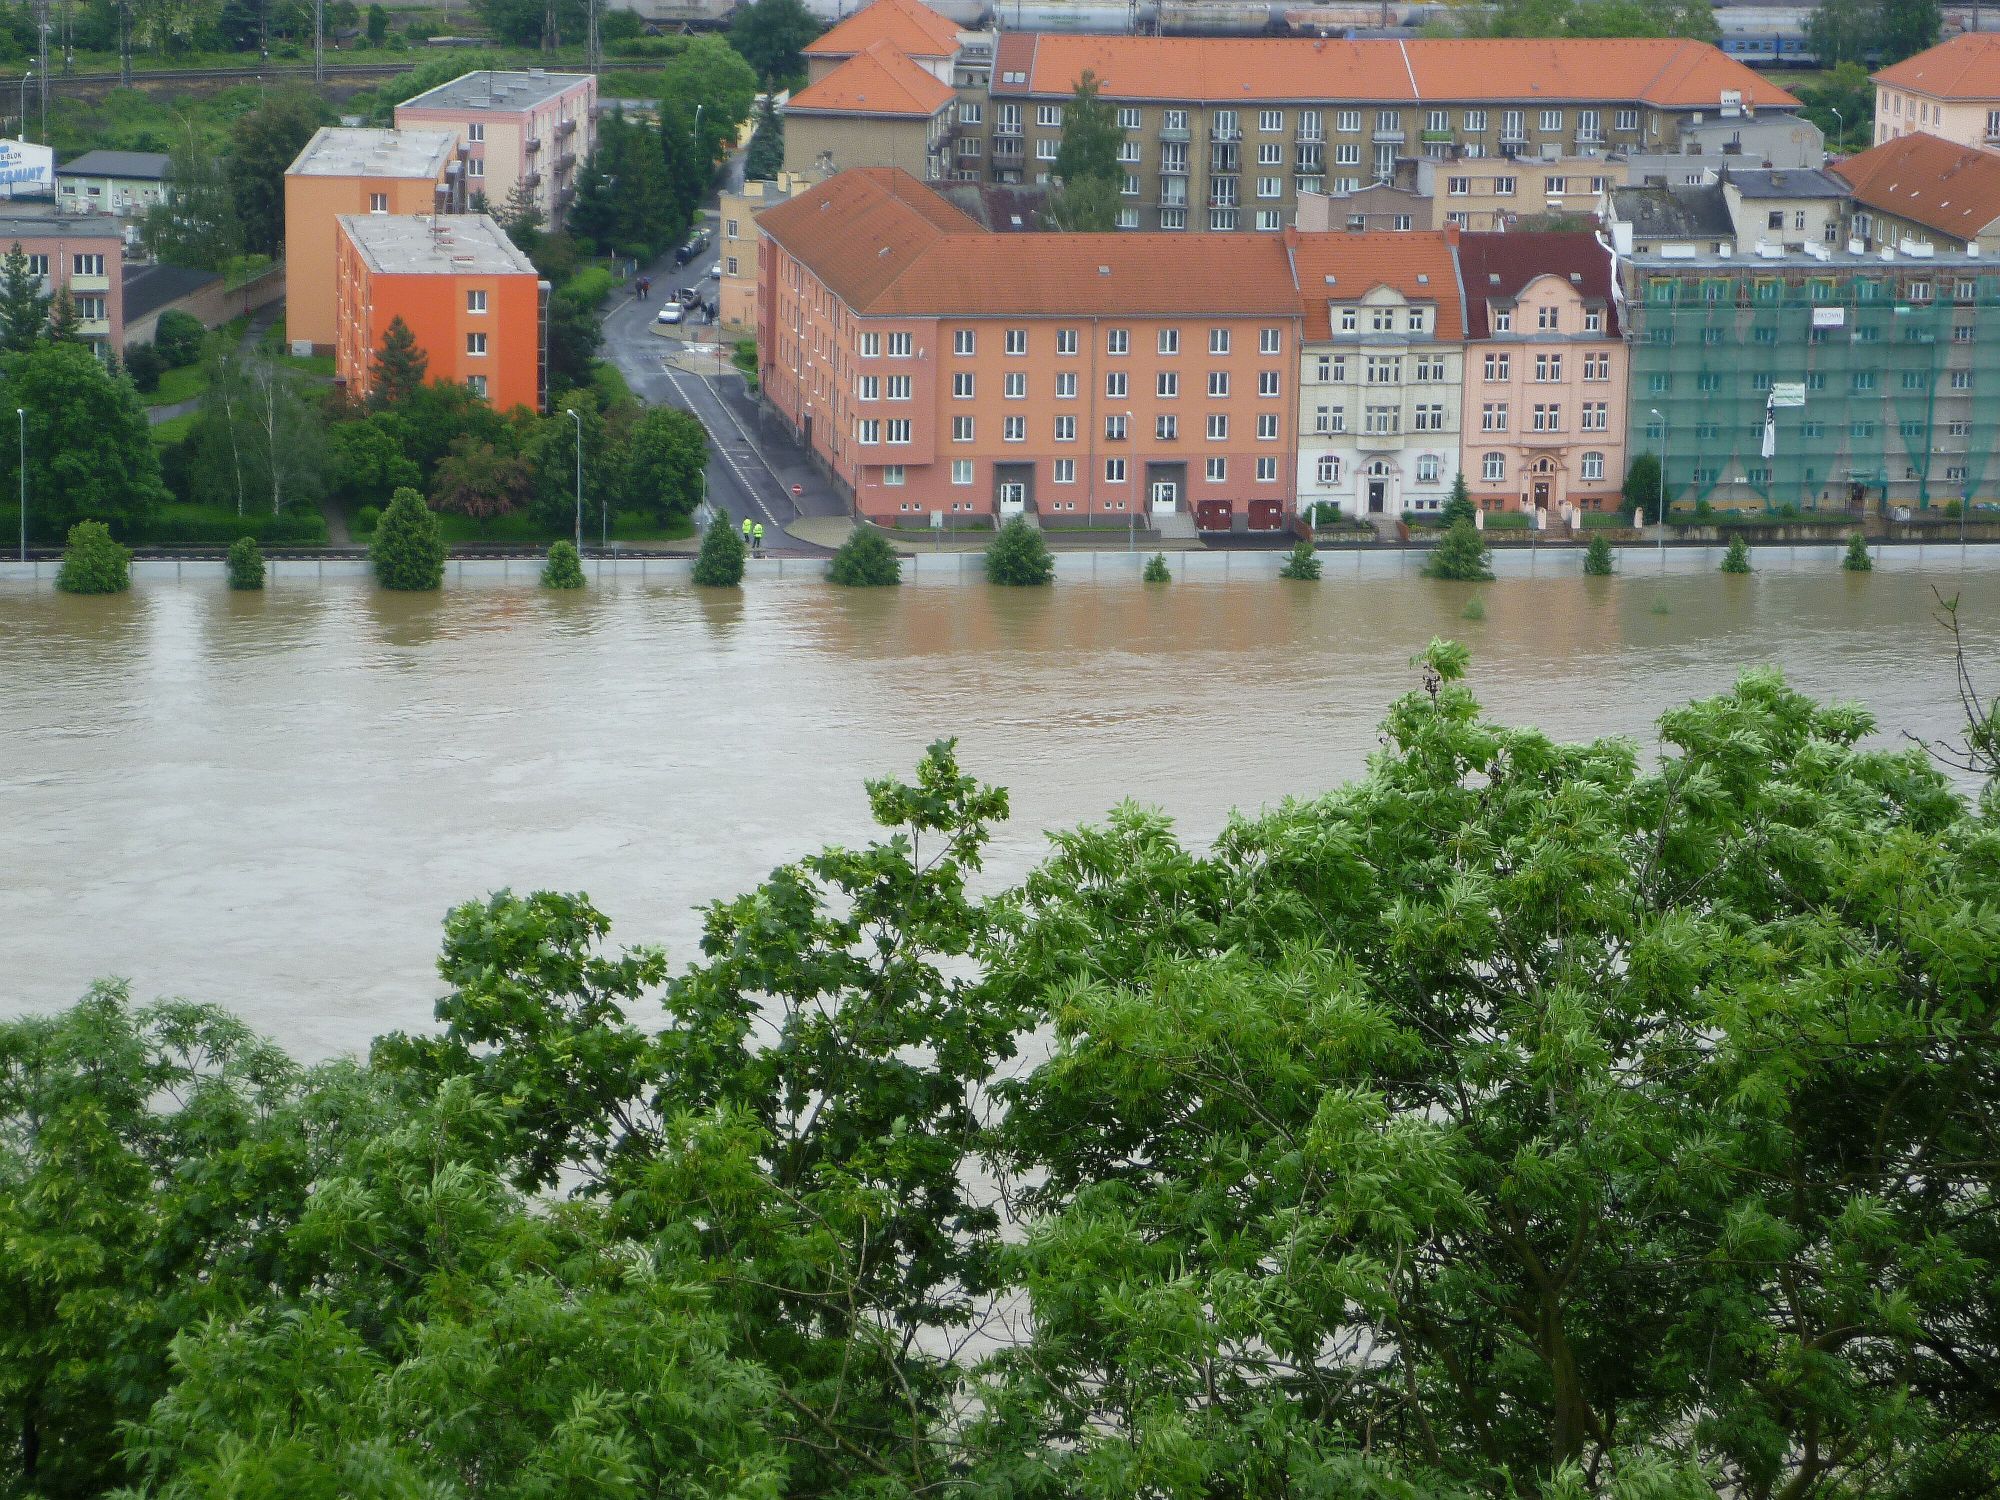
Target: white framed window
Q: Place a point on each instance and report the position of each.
(1013, 429)
(476, 131)
(1428, 469)
(1066, 385)
(1216, 470)
(1271, 121)
(1114, 471)
(1327, 471)
(963, 384)
(1429, 418)
(1552, 119)
(1218, 341)
(1128, 118)
(1493, 417)
(378, 203)
(1050, 115)
(1270, 220)
(1549, 320)
(868, 431)
(1167, 384)
(1350, 319)
(871, 345)
(899, 387)
(1593, 321)
(1218, 427)
(1048, 148)
(1166, 428)
(1114, 429)
(1014, 385)
(1065, 429)
(1457, 187)
(1269, 383)
(964, 341)
(868, 388)
(1330, 419)
(1065, 341)
(961, 429)
(1493, 468)
(1347, 156)
(475, 301)
(1063, 471)
(1347, 119)
(1017, 341)
(1117, 341)
(1627, 119)
(1547, 418)
(1267, 471)
(1115, 385)
(899, 346)
(477, 385)
(1475, 120)
(1270, 187)
(893, 475)
(1332, 367)
(1218, 383)
(1593, 466)
(961, 471)
(1503, 320)
(1270, 154)
(1269, 341)
(475, 344)
(1128, 152)
(1596, 416)
(899, 430)
(476, 167)
(1170, 341)
(1267, 426)
(729, 266)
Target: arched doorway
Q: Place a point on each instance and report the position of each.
(1545, 482)
(1377, 486)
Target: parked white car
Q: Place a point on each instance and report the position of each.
(670, 313)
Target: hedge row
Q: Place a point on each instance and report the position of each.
(280, 531)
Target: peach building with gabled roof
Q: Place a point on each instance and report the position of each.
(909, 26)
(1951, 90)
(876, 109)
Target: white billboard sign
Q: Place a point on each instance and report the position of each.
(1829, 317)
(1788, 393)
(23, 164)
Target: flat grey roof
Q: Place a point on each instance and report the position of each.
(497, 90)
(20, 223)
(338, 152)
(1787, 182)
(461, 244)
(150, 165)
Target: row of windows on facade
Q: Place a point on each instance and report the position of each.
(1014, 385)
(1714, 382)
(1386, 421)
(965, 342)
(1961, 333)
(1553, 186)
(869, 431)
(1064, 471)
(1710, 432)
(1705, 474)
(1770, 289)
(1224, 124)
(91, 264)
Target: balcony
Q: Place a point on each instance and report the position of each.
(1435, 137)
(1007, 130)
(1390, 133)
(1590, 138)
(565, 128)
(1173, 132)
(531, 180)
(1513, 140)
(1310, 161)
(1311, 138)
(1008, 148)
(534, 144)
(81, 284)
(1173, 169)
(1224, 133)
(565, 161)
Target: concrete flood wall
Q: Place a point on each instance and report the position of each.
(1635, 561)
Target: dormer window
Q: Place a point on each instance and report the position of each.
(1383, 319)
(1503, 320)
(1350, 319)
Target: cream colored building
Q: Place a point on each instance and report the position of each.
(1951, 90)
(737, 251)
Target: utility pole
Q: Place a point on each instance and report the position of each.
(42, 26)
(319, 45)
(593, 52)
(125, 43)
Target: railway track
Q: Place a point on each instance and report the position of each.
(273, 71)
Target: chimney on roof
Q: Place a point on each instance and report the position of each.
(1451, 235)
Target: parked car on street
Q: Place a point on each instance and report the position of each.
(669, 314)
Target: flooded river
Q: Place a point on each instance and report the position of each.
(270, 801)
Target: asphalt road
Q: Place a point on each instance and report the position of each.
(753, 462)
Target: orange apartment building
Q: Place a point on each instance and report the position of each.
(474, 302)
(934, 366)
(529, 129)
(355, 172)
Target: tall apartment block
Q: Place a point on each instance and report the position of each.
(355, 172)
(531, 129)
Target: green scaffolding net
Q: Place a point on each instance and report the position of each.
(1886, 382)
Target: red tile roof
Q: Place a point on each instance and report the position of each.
(872, 237)
(909, 26)
(1966, 67)
(1346, 267)
(1936, 183)
(879, 81)
(1666, 72)
(1503, 265)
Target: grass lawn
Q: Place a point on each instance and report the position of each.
(609, 382)
(1605, 520)
(174, 429)
(184, 384)
(521, 530)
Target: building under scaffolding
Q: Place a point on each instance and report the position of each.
(1821, 379)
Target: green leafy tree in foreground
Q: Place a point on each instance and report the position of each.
(666, 463)
(1301, 563)
(91, 454)
(408, 545)
(865, 560)
(1461, 555)
(93, 563)
(246, 564)
(1597, 558)
(1737, 558)
(1156, 570)
(564, 569)
(1018, 557)
(1857, 559)
(719, 564)
(770, 34)
(766, 156)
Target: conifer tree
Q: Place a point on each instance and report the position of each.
(720, 563)
(24, 307)
(400, 366)
(63, 319)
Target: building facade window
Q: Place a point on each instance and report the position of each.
(1493, 468)
(475, 344)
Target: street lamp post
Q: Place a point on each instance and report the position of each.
(1661, 518)
(577, 417)
(24, 104)
(22, 413)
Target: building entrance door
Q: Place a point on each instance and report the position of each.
(1013, 498)
(1541, 494)
(1378, 496)
(1166, 494)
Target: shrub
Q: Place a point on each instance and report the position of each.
(564, 569)
(178, 338)
(865, 560)
(246, 564)
(1155, 570)
(367, 519)
(1642, 486)
(1325, 513)
(1953, 509)
(1737, 559)
(293, 528)
(1302, 564)
(1459, 506)
(1857, 559)
(1597, 560)
(590, 286)
(144, 365)
(1461, 556)
(408, 547)
(720, 563)
(93, 563)
(1475, 609)
(1018, 557)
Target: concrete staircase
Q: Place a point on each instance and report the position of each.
(1175, 524)
(1385, 528)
